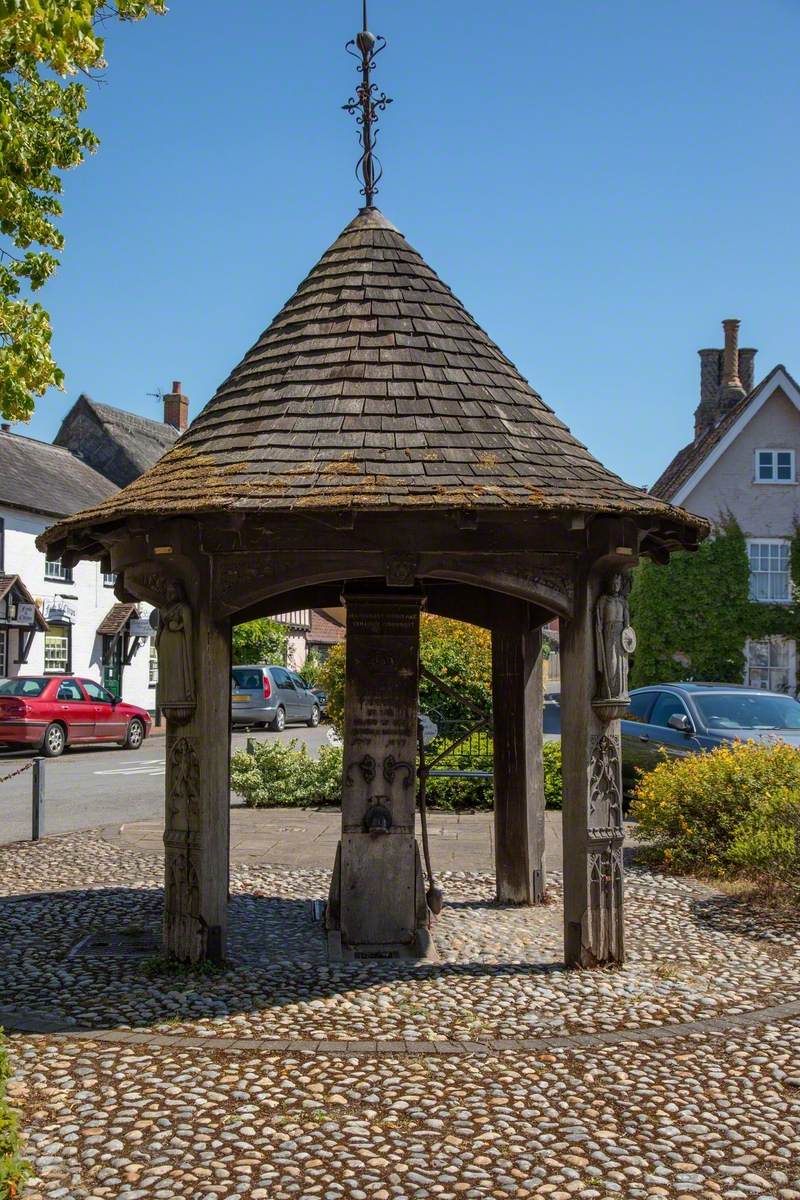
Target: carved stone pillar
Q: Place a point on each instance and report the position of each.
(197, 826)
(377, 901)
(517, 699)
(592, 815)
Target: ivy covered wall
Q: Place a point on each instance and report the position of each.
(693, 616)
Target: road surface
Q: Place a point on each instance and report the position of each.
(90, 786)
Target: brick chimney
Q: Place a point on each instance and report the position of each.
(176, 408)
(725, 377)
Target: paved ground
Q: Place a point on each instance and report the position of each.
(494, 1072)
(308, 838)
(92, 786)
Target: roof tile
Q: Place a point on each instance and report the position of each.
(385, 392)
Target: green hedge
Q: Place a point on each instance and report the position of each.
(13, 1170)
(284, 775)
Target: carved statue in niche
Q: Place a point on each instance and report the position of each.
(614, 642)
(175, 658)
(605, 789)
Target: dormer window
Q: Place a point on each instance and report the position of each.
(775, 466)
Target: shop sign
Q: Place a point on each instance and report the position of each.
(60, 610)
(140, 627)
(26, 614)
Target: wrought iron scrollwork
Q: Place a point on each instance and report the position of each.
(365, 105)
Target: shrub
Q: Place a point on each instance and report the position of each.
(284, 775)
(766, 844)
(715, 813)
(331, 679)
(551, 752)
(13, 1170)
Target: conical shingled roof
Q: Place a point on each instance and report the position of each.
(374, 388)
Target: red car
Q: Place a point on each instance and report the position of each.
(50, 712)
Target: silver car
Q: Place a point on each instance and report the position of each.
(272, 697)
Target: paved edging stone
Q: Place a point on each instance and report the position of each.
(16, 1021)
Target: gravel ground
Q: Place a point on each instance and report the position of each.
(714, 1113)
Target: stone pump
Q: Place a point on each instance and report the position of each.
(376, 444)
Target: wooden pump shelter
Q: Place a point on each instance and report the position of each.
(375, 444)
(376, 448)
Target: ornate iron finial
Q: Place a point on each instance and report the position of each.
(365, 105)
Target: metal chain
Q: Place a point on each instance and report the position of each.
(19, 771)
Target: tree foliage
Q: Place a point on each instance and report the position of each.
(261, 641)
(43, 44)
(459, 654)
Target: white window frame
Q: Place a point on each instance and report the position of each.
(152, 666)
(790, 668)
(775, 451)
(109, 578)
(52, 666)
(55, 570)
(765, 541)
(3, 653)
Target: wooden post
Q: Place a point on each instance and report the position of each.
(517, 700)
(197, 833)
(377, 902)
(592, 816)
(37, 799)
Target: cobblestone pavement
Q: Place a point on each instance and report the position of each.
(494, 1072)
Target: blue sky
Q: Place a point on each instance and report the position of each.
(600, 184)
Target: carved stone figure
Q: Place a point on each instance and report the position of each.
(614, 641)
(175, 658)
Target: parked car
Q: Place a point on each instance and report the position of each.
(50, 712)
(321, 697)
(271, 696)
(687, 718)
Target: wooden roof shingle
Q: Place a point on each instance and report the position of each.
(373, 388)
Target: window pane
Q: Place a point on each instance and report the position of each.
(69, 690)
(53, 569)
(666, 706)
(56, 648)
(153, 671)
(769, 571)
(765, 464)
(758, 654)
(639, 707)
(784, 464)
